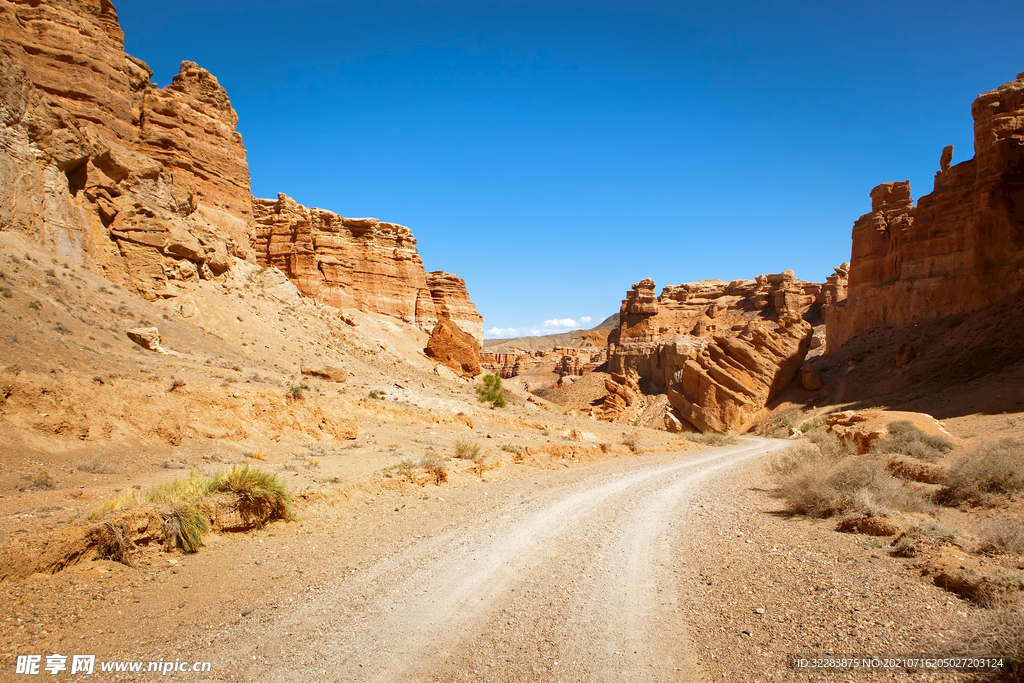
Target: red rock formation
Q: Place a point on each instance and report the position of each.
(80, 133)
(454, 348)
(359, 263)
(719, 350)
(451, 300)
(960, 249)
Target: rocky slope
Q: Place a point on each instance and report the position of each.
(960, 249)
(720, 350)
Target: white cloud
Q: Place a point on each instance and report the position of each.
(552, 326)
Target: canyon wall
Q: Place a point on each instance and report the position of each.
(359, 263)
(149, 186)
(720, 350)
(960, 249)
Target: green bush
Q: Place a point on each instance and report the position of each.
(491, 392)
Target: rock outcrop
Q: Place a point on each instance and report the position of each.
(451, 300)
(543, 369)
(960, 249)
(361, 263)
(87, 164)
(454, 348)
(720, 350)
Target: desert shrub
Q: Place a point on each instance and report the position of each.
(813, 424)
(41, 481)
(824, 484)
(436, 467)
(466, 450)
(491, 392)
(776, 428)
(509, 448)
(97, 466)
(298, 390)
(905, 438)
(260, 495)
(258, 454)
(1000, 632)
(1003, 535)
(35, 304)
(632, 441)
(710, 439)
(7, 292)
(991, 470)
(373, 395)
(831, 445)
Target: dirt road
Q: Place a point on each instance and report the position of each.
(575, 583)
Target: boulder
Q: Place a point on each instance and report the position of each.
(454, 348)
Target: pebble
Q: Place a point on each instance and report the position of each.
(108, 575)
(258, 562)
(247, 611)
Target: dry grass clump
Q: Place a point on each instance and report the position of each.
(1000, 633)
(436, 467)
(710, 439)
(185, 528)
(632, 441)
(827, 481)
(992, 470)
(466, 450)
(260, 495)
(905, 438)
(1003, 535)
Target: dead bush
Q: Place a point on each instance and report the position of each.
(1003, 535)
(820, 484)
(904, 438)
(1000, 633)
(992, 470)
(632, 441)
(466, 450)
(710, 439)
(436, 467)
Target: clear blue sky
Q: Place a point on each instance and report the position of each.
(554, 153)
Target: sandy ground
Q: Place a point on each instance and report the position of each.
(637, 568)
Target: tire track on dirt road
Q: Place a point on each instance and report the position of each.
(571, 584)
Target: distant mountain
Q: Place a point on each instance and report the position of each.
(594, 337)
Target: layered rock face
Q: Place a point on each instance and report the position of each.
(451, 300)
(720, 350)
(359, 263)
(81, 168)
(960, 249)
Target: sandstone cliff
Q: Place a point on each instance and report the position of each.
(148, 186)
(960, 249)
(359, 263)
(720, 350)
